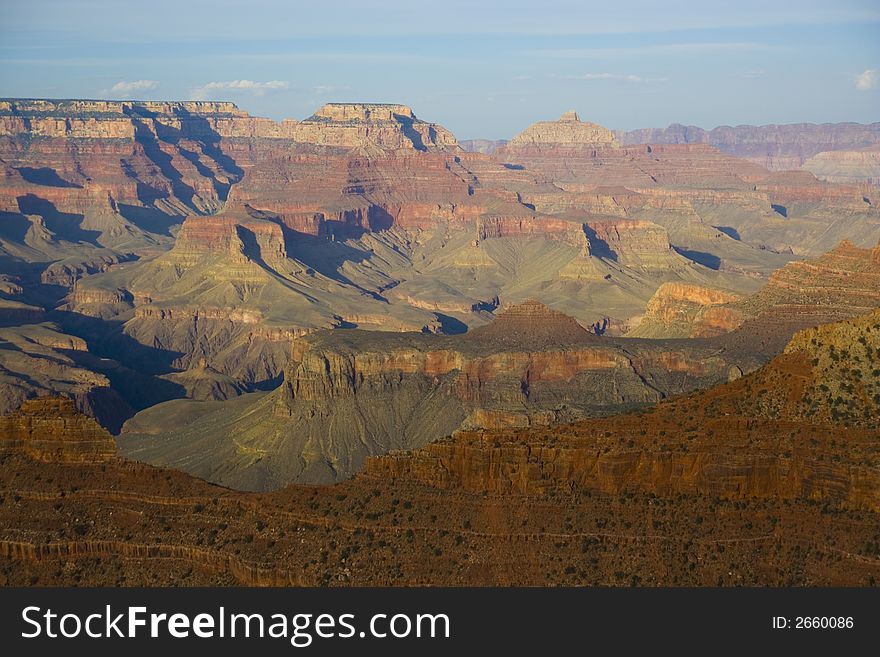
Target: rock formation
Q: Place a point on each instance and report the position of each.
(777, 147)
(350, 394)
(846, 166)
(766, 480)
(679, 310)
(51, 429)
(39, 359)
(568, 130)
(843, 283)
(356, 125)
(165, 233)
(771, 433)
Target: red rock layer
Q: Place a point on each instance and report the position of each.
(51, 429)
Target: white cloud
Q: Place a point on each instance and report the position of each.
(126, 89)
(238, 86)
(636, 79)
(867, 80)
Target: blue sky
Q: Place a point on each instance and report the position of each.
(482, 69)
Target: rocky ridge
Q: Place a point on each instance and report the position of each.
(51, 429)
(204, 233)
(350, 394)
(770, 433)
(777, 147)
(701, 490)
(843, 283)
(846, 166)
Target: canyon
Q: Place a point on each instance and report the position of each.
(262, 302)
(347, 395)
(777, 147)
(837, 152)
(770, 479)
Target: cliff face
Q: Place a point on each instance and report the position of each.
(846, 166)
(51, 429)
(777, 147)
(642, 245)
(189, 231)
(147, 526)
(469, 463)
(104, 179)
(765, 480)
(679, 310)
(842, 283)
(773, 433)
(575, 153)
(350, 394)
(354, 125)
(40, 359)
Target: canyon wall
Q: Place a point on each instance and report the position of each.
(51, 429)
(350, 394)
(774, 433)
(777, 147)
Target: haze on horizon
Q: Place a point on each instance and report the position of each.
(481, 69)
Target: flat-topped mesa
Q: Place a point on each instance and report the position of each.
(569, 130)
(52, 429)
(359, 125)
(67, 108)
(120, 119)
(235, 232)
(363, 112)
(532, 324)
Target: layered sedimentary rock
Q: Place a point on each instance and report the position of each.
(366, 232)
(777, 147)
(51, 429)
(529, 367)
(353, 125)
(846, 166)
(639, 244)
(679, 310)
(763, 481)
(363, 215)
(843, 283)
(230, 292)
(773, 433)
(40, 359)
(691, 187)
(569, 129)
(87, 184)
(571, 157)
(349, 394)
